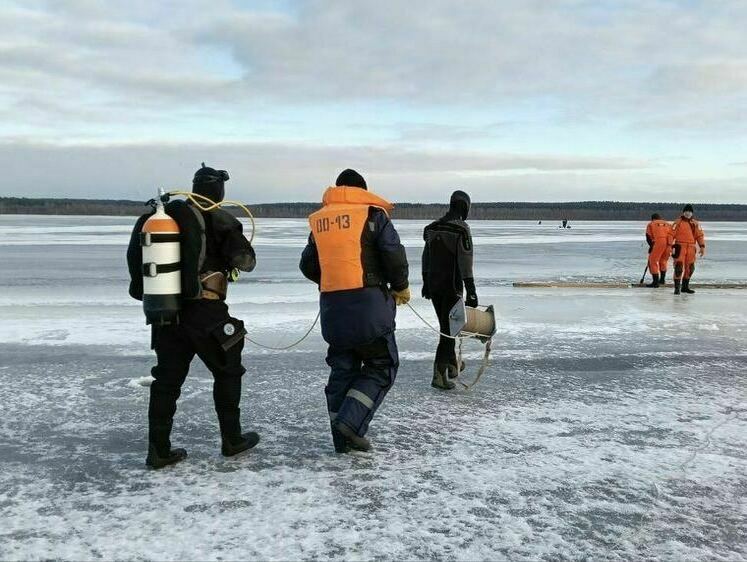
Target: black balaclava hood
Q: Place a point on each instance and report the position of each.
(687, 208)
(351, 178)
(655, 216)
(459, 205)
(209, 183)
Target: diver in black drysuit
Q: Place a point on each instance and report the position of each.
(447, 272)
(204, 326)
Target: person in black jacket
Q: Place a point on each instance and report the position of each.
(204, 328)
(355, 256)
(447, 272)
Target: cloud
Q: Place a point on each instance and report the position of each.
(577, 56)
(449, 134)
(485, 52)
(432, 92)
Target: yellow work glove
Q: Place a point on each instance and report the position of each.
(401, 297)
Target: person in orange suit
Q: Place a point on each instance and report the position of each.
(687, 233)
(659, 237)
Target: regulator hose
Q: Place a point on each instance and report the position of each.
(209, 205)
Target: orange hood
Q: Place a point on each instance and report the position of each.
(344, 195)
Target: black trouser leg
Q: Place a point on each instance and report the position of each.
(227, 396)
(174, 354)
(445, 352)
(225, 364)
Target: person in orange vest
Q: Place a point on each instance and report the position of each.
(355, 256)
(659, 238)
(687, 233)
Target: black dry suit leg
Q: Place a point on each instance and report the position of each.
(358, 382)
(445, 365)
(174, 355)
(227, 395)
(219, 341)
(446, 350)
(205, 329)
(160, 453)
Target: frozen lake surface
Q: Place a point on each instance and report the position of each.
(612, 424)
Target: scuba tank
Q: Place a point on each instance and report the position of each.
(162, 284)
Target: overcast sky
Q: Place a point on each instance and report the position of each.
(510, 100)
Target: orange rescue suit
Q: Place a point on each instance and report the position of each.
(338, 231)
(659, 236)
(687, 232)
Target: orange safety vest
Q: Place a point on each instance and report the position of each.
(338, 229)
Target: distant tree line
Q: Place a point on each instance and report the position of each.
(583, 210)
(23, 205)
(577, 210)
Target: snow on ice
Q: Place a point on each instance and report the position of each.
(612, 424)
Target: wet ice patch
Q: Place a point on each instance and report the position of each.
(50, 336)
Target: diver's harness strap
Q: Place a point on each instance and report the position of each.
(214, 285)
(152, 269)
(148, 238)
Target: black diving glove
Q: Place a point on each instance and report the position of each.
(425, 292)
(469, 285)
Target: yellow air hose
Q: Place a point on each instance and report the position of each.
(213, 205)
(208, 205)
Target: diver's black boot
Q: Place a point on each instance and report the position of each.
(354, 440)
(686, 287)
(441, 377)
(165, 458)
(676, 286)
(654, 281)
(160, 453)
(231, 446)
(338, 440)
(454, 372)
(662, 279)
(233, 441)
